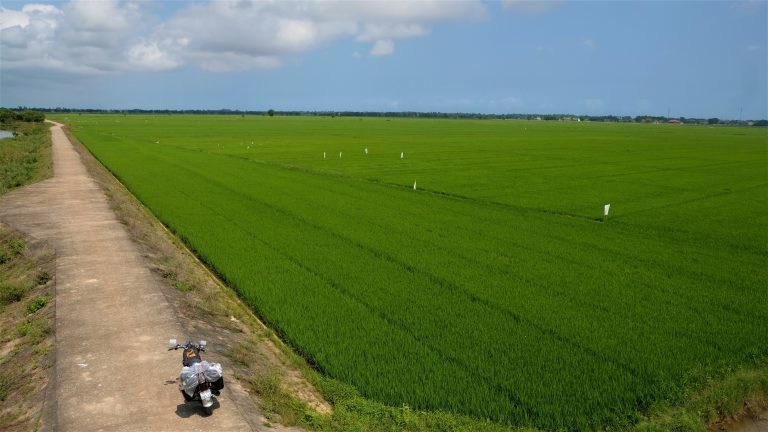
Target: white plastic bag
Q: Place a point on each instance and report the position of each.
(192, 376)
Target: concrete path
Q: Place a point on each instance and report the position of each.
(113, 370)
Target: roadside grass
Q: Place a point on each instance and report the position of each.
(25, 158)
(26, 329)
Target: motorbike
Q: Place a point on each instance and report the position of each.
(199, 380)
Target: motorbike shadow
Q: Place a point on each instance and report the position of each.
(188, 409)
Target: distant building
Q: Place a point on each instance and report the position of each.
(675, 121)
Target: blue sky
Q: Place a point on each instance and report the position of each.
(689, 58)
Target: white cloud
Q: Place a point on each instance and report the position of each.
(588, 42)
(12, 18)
(356, 55)
(255, 31)
(86, 36)
(81, 37)
(383, 47)
(148, 56)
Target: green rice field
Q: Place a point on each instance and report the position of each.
(496, 288)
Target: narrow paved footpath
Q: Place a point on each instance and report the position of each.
(113, 370)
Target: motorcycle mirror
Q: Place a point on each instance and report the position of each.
(172, 342)
(203, 343)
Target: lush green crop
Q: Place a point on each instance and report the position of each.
(494, 289)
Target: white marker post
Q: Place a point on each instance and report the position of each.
(402, 155)
(606, 208)
(339, 155)
(414, 185)
(366, 151)
(323, 155)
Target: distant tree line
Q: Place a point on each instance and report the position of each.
(414, 114)
(25, 115)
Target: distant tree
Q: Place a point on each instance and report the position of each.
(713, 120)
(32, 116)
(760, 123)
(271, 113)
(7, 115)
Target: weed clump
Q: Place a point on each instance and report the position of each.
(42, 278)
(11, 292)
(37, 303)
(34, 329)
(11, 249)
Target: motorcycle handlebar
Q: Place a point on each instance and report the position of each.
(201, 348)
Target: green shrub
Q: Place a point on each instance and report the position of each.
(37, 303)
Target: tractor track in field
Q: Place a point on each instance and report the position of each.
(112, 369)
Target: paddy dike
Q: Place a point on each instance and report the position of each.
(113, 371)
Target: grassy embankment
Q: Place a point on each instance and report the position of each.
(651, 315)
(25, 158)
(26, 288)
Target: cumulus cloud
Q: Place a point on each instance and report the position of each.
(148, 56)
(104, 36)
(383, 47)
(82, 37)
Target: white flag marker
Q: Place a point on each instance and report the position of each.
(323, 155)
(339, 155)
(366, 150)
(402, 155)
(414, 185)
(605, 209)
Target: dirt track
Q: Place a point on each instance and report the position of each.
(113, 371)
